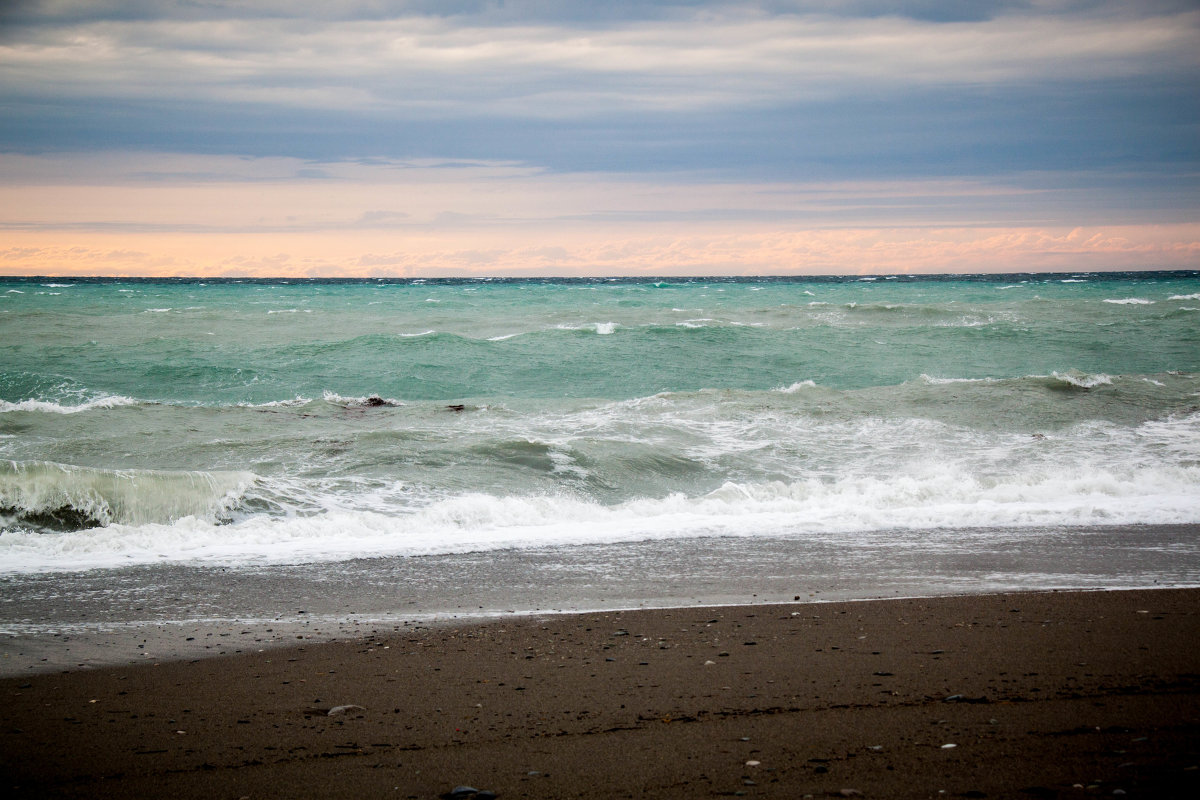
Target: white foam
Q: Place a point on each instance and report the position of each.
(1195, 296)
(934, 381)
(416, 335)
(296, 401)
(934, 496)
(50, 407)
(1082, 380)
(106, 496)
(601, 328)
(798, 386)
(1131, 301)
(337, 399)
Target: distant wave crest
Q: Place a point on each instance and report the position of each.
(51, 407)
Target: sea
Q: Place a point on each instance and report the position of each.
(174, 450)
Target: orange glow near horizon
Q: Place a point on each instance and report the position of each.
(635, 250)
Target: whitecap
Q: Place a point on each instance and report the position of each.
(848, 510)
(84, 498)
(1082, 380)
(1131, 301)
(298, 400)
(365, 401)
(601, 328)
(1195, 296)
(51, 407)
(934, 381)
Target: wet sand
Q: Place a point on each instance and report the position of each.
(1060, 694)
(111, 617)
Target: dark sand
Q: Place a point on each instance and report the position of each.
(1064, 694)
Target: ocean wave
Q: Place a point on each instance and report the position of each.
(43, 495)
(366, 401)
(798, 386)
(51, 407)
(600, 328)
(1131, 301)
(936, 381)
(938, 498)
(1195, 296)
(296, 402)
(1072, 378)
(1082, 380)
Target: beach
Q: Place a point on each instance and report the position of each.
(579, 537)
(1039, 694)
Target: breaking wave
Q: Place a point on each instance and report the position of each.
(45, 496)
(51, 407)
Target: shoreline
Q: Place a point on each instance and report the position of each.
(106, 646)
(91, 619)
(1037, 691)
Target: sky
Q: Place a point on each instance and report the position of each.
(543, 137)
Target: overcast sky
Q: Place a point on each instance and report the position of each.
(546, 137)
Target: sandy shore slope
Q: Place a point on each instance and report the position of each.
(1066, 694)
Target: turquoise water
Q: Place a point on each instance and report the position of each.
(289, 421)
(210, 343)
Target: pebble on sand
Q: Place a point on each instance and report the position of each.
(333, 712)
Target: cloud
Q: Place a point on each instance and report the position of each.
(429, 66)
(549, 135)
(180, 193)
